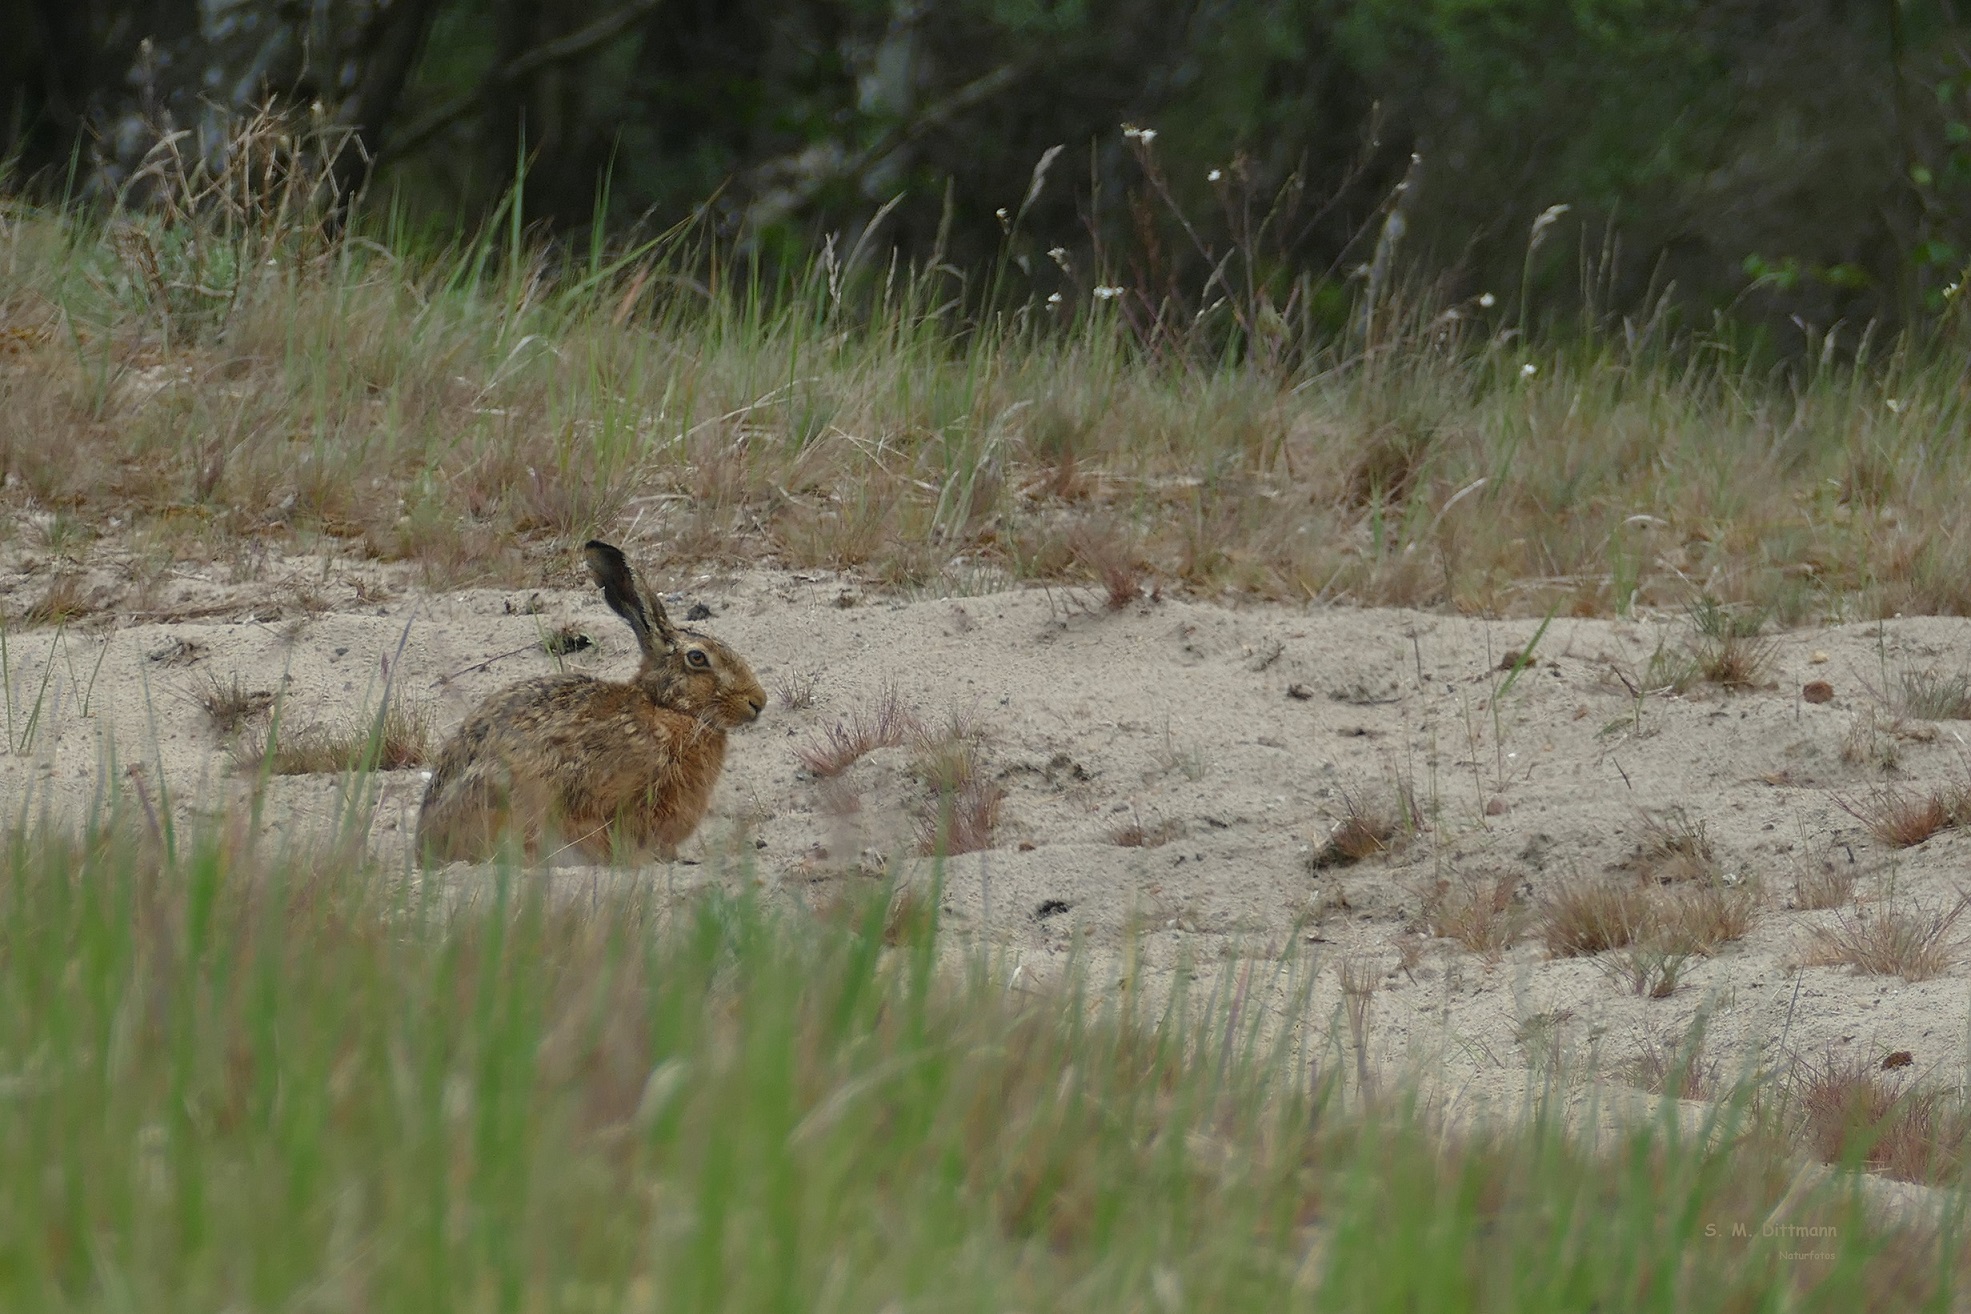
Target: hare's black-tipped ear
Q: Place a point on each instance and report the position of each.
(645, 616)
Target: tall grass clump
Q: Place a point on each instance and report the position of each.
(241, 1078)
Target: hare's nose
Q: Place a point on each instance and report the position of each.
(757, 702)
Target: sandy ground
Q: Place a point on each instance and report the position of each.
(1241, 732)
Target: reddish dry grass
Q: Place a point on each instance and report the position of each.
(1850, 1112)
(886, 723)
(1903, 820)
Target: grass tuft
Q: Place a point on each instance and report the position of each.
(1675, 1065)
(1485, 915)
(1930, 695)
(1850, 1113)
(1137, 833)
(1371, 825)
(1585, 917)
(885, 723)
(1899, 939)
(228, 704)
(967, 801)
(1903, 820)
(401, 742)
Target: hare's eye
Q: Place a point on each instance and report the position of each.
(697, 660)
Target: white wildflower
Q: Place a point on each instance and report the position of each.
(1053, 298)
(1528, 370)
(1134, 133)
(1107, 293)
(1486, 300)
(1215, 175)
(1895, 405)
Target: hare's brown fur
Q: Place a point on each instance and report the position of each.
(610, 768)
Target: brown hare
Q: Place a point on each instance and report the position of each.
(609, 768)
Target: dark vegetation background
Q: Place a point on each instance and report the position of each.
(1794, 164)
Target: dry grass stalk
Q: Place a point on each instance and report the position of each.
(1906, 940)
(402, 741)
(1849, 1112)
(885, 723)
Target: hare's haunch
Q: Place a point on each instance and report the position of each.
(613, 769)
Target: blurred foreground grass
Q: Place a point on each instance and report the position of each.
(231, 1079)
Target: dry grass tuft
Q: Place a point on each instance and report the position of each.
(1664, 926)
(65, 599)
(1649, 968)
(229, 704)
(1826, 884)
(1484, 914)
(401, 742)
(1906, 940)
(1675, 849)
(795, 690)
(1848, 1112)
(1370, 827)
(1902, 820)
(1723, 647)
(1139, 834)
(951, 763)
(1675, 1066)
(885, 723)
(1105, 551)
(1930, 695)
(1590, 917)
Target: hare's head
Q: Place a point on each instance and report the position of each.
(682, 669)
